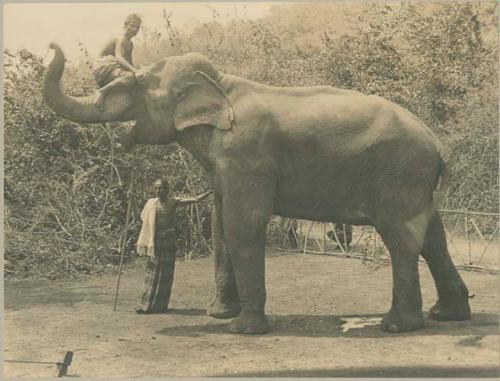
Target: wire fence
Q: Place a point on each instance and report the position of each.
(472, 239)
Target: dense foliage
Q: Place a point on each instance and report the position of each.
(66, 184)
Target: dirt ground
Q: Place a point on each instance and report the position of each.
(309, 299)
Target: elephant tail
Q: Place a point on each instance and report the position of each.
(442, 183)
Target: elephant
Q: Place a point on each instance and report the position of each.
(318, 153)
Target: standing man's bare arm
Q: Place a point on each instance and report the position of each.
(193, 200)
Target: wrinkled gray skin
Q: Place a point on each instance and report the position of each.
(317, 153)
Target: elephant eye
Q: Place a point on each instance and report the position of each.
(181, 94)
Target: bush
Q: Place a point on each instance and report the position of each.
(65, 183)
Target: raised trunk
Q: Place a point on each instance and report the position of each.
(118, 105)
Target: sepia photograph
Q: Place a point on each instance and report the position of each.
(251, 189)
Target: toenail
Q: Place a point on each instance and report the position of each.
(393, 328)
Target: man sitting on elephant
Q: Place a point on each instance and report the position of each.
(114, 66)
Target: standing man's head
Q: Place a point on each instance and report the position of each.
(161, 189)
(132, 25)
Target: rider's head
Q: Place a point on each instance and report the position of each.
(132, 24)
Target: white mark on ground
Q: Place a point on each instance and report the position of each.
(358, 322)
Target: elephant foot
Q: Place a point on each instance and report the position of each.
(219, 310)
(395, 322)
(450, 311)
(251, 323)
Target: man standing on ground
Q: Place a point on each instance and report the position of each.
(157, 241)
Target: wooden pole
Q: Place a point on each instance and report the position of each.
(468, 238)
(324, 237)
(468, 213)
(338, 241)
(307, 236)
(124, 239)
(478, 231)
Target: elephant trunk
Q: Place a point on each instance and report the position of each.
(118, 104)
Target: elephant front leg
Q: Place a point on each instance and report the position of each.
(245, 232)
(249, 265)
(227, 302)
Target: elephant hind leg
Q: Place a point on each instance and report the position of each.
(453, 302)
(404, 241)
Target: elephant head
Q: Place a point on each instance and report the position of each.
(181, 92)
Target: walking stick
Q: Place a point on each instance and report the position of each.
(124, 241)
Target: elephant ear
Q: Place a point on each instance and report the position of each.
(202, 101)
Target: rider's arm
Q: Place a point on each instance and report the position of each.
(124, 49)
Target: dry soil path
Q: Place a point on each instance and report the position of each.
(309, 297)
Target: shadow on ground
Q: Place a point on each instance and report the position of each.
(418, 371)
(481, 324)
(29, 294)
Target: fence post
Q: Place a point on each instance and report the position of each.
(307, 236)
(324, 238)
(468, 238)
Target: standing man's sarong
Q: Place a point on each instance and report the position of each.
(159, 273)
